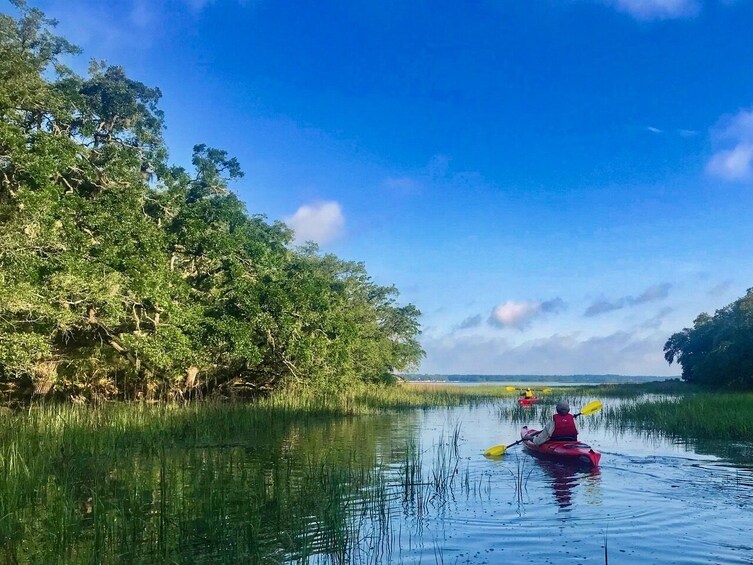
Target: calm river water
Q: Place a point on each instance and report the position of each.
(651, 501)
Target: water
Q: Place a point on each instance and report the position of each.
(652, 500)
(517, 384)
(405, 487)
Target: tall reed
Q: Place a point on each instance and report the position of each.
(702, 416)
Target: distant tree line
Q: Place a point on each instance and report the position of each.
(122, 275)
(717, 351)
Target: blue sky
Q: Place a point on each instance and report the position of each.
(558, 185)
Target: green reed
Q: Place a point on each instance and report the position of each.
(161, 483)
(284, 479)
(652, 410)
(701, 416)
(627, 390)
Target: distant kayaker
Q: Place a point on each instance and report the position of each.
(560, 428)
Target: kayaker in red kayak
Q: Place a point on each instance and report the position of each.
(560, 428)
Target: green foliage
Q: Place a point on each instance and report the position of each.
(121, 274)
(717, 351)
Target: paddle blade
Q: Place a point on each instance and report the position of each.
(509, 388)
(496, 451)
(591, 407)
(547, 390)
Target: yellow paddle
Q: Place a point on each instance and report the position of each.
(590, 408)
(499, 450)
(587, 410)
(509, 388)
(547, 390)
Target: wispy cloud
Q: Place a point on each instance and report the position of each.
(322, 222)
(651, 294)
(107, 28)
(655, 321)
(720, 289)
(436, 170)
(143, 14)
(470, 322)
(657, 9)
(687, 132)
(734, 160)
(103, 27)
(628, 353)
(403, 184)
(197, 5)
(603, 306)
(512, 314)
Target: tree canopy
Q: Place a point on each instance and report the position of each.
(124, 275)
(717, 351)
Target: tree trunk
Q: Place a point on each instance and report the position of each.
(191, 377)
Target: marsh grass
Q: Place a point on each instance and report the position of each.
(158, 483)
(262, 482)
(628, 390)
(653, 409)
(698, 416)
(520, 479)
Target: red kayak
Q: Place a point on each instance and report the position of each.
(528, 401)
(572, 452)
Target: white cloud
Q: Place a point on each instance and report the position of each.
(737, 128)
(513, 314)
(518, 315)
(732, 164)
(734, 160)
(321, 222)
(657, 9)
(652, 129)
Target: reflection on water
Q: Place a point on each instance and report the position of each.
(566, 478)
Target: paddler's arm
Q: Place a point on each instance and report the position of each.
(545, 434)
